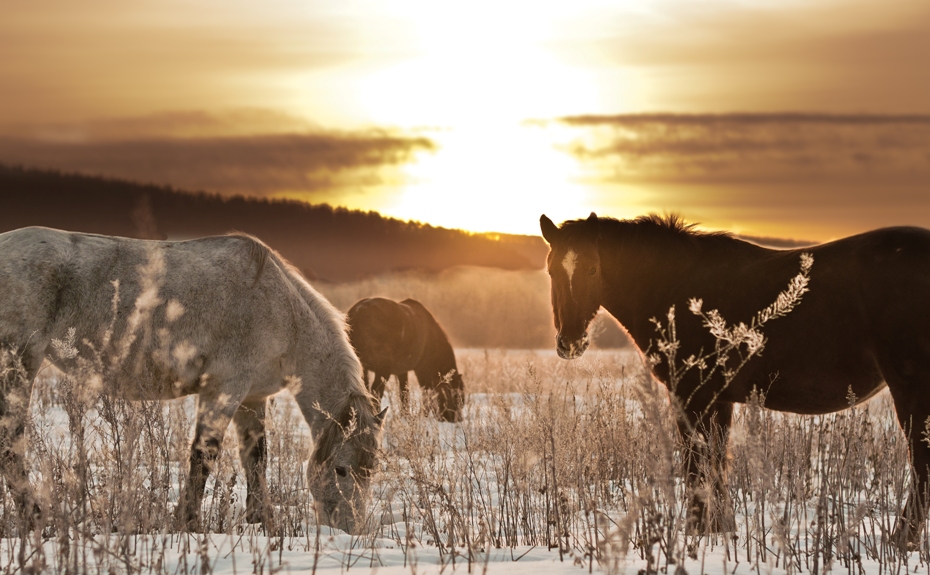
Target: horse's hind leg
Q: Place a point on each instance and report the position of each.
(17, 374)
(913, 413)
(711, 511)
(214, 411)
(250, 425)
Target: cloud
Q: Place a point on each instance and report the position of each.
(150, 150)
(769, 148)
(67, 61)
(842, 55)
(811, 176)
(168, 124)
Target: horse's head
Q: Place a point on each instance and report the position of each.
(574, 267)
(344, 459)
(451, 396)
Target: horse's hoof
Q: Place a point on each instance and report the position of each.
(905, 538)
(186, 521)
(697, 525)
(31, 516)
(256, 516)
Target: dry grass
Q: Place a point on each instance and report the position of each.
(581, 457)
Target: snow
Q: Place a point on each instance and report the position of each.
(402, 542)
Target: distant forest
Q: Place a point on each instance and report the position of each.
(326, 243)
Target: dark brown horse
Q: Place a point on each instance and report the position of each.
(864, 323)
(393, 338)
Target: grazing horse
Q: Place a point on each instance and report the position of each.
(393, 338)
(863, 324)
(224, 318)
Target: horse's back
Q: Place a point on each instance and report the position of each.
(374, 326)
(33, 264)
(385, 335)
(182, 307)
(895, 290)
(865, 317)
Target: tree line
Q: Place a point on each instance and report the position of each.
(325, 242)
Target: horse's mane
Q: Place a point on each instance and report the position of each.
(672, 223)
(356, 398)
(652, 226)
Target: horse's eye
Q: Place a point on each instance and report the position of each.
(592, 271)
(341, 471)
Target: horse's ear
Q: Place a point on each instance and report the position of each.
(592, 221)
(379, 419)
(549, 230)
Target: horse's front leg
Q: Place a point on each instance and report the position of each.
(403, 389)
(705, 435)
(377, 386)
(15, 390)
(250, 425)
(214, 412)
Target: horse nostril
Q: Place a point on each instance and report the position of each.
(341, 471)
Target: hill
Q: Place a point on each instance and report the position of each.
(332, 244)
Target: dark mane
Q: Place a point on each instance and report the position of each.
(650, 226)
(673, 223)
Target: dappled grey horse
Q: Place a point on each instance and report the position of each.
(224, 318)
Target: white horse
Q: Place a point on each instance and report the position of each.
(225, 318)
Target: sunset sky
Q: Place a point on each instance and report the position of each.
(792, 119)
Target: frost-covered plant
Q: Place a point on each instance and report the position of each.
(744, 341)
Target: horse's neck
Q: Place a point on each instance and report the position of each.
(644, 285)
(330, 376)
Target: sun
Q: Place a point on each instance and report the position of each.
(500, 181)
(481, 71)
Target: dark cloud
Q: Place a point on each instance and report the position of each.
(255, 164)
(167, 125)
(780, 147)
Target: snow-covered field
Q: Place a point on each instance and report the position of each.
(559, 467)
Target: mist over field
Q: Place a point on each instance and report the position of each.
(478, 307)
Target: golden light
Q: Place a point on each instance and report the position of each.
(492, 181)
(480, 71)
(481, 62)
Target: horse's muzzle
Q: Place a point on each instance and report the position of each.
(573, 349)
(330, 514)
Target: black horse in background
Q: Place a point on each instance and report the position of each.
(864, 324)
(394, 338)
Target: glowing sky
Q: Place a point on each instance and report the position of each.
(484, 114)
